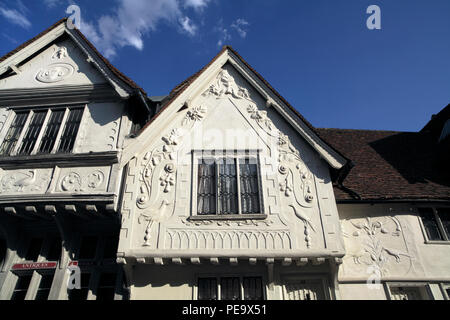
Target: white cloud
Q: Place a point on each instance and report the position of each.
(133, 19)
(240, 25)
(15, 16)
(188, 26)
(52, 3)
(196, 4)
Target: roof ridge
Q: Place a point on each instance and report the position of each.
(366, 130)
(26, 43)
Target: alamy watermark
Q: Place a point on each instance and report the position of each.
(74, 280)
(374, 20)
(74, 20)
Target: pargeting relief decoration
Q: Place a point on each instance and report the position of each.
(60, 53)
(368, 245)
(75, 182)
(56, 72)
(24, 181)
(228, 239)
(297, 180)
(158, 174)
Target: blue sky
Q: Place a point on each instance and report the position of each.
(319, 54)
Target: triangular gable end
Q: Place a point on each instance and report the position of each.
(182, 94)
(122, 85)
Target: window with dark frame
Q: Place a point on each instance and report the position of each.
(436, 222)
(32, 133)
(230, 288)
(51, 131)
(38, 250)
(37, 131)
(13, 134)
(406, 293)
(228, 186)
(22, 284)
(99, 271)
(44, 286)
(70, 130)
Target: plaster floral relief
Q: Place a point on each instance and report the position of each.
(24, 181)
(375, 243)
(158, 175)
(297, 181)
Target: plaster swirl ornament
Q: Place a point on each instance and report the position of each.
(158, 173)
(72, 182)
(371, 235)
(55, 73)
(95, 179)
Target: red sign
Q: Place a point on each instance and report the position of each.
(35, 266)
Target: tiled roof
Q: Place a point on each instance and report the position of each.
(115, 71)
(390, 165)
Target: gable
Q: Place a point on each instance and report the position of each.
(59, 64)
(11, 62)
(185, 93)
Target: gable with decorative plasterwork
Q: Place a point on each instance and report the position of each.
(298, 214)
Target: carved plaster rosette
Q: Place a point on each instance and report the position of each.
(158, 174)
(297, 180)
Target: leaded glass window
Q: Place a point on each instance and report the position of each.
(44, 286)
(207, 289)
(42, 131)
(51, 132)
(206, 200)
(34, 128)
(228, 186)
(436, 223)
(230, 288)
(249, 186)
(21, 289)
(13, 134)
(70, 130)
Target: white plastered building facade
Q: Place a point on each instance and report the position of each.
(226, 192)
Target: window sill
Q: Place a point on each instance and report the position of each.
(440, 242)
(229, 217)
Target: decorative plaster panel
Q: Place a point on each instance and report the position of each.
(32, 181)
(83, 180)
